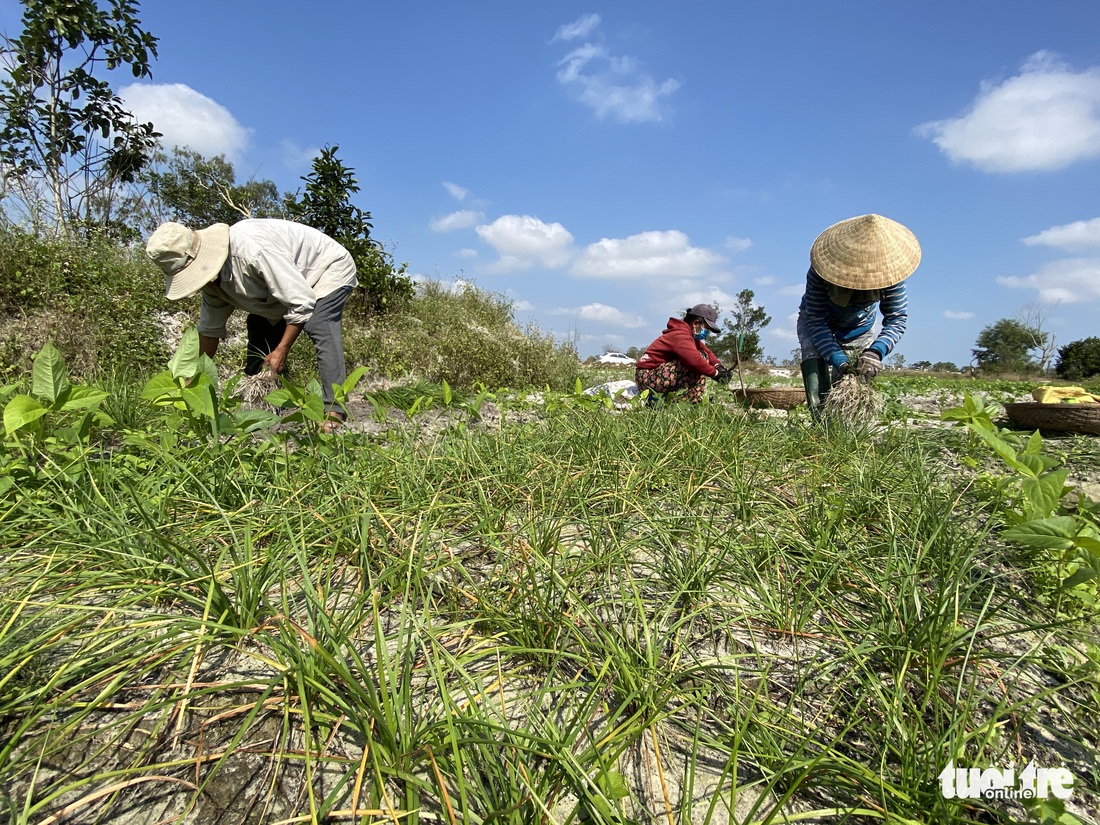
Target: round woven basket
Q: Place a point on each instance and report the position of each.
(1060, 418)
(779, 398)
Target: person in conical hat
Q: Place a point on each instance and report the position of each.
(857, 266)
(290, 278)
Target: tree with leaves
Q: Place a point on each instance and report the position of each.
(326, 205)
(744, 327)
(1079, 359)
(1005, 346)
(199, 191)
(66, 141)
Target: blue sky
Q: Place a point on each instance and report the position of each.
(606, 165)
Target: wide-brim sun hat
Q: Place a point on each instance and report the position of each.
(866, 252)
(189, 258)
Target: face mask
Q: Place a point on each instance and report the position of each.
(701, 335)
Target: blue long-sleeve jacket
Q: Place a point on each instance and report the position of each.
(834, 316)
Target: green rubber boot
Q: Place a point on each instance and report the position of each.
(818, 382)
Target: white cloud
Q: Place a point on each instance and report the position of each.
(296, 157)
(581, 27)
(1046, 117)
(523, 241)
(793, 289)
(646, 255)
(611, 85)
(462, 219)
(764, 280)
(1071, 236)
(187, 119)
(520, 305)
(457, 192)
(953, 315)
(466, 252)
(783, 333)
(604, 314)
(1067, 281)
(734, 244)
(708, 295)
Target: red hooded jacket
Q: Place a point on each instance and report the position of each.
(677, 343)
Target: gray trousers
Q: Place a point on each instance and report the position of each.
(325, 330)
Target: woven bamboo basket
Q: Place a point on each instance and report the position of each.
(1061, 418)
(779, 398)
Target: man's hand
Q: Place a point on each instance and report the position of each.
(276, 360)
(843, 368)
(724, 374)
(869, 364)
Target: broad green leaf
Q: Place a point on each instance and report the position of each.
(79, 398)
(353, 379)
(314, 407)
(160, 385)
(208, 368)
(1003, 450)
(1042, 494)
(286, 396)
(247, 421)
(50, 378)
(1054, 533)
(1088, 543)
(200, 399)
(21, 411)
(1080, 577)
(613, 785)
(185, 363)
(1034, 444)
(1033, 463)
(446, 393)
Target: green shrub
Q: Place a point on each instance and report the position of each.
(98, 303)
(1079, 359)
(465, 337)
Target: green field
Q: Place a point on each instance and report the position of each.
(532, 608)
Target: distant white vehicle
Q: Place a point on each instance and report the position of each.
(614, 358)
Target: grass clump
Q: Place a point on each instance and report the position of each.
(465, 336)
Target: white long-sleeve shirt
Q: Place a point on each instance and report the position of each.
(275, 268)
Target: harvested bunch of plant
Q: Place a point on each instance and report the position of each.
(853, 400)
(252, 389)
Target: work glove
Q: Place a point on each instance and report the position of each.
(842, 369)
(724, 374)
(870, 362)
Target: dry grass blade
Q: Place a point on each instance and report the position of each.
(252, 389)
(853, 400)
(110, 789)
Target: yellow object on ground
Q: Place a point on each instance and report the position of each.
(1064, 395)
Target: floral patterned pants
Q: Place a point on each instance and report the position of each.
(671, 376)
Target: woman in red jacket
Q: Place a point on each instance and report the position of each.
(678, 359)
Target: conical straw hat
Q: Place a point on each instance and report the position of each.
(868, 252)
